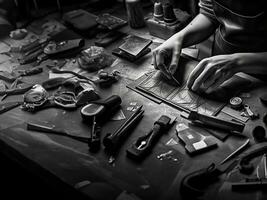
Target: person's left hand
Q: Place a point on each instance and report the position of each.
(211, 72)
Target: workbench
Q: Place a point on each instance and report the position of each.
(67, 165)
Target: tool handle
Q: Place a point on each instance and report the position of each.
(37, 47)
(112, 101)
(214, 121)
(137, 150)
(111, 141)
(160, 126)
(94, 141)
(59, 71)
(96, 134)
(156, 132)
(32, 71)
(32, 57)
(30, 46)
(128, 121)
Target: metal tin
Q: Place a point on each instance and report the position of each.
(236, 102)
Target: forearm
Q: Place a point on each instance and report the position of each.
(199, 29)
(252, 63)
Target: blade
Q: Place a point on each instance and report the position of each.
(235, 152)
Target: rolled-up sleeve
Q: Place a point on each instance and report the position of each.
(206, 8)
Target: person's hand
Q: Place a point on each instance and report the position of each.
(166, 56)
(211, 72)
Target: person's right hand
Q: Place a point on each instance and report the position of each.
(166, 56)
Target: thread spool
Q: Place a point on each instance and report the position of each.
(158, 11)
(169, 16)
(135, 14)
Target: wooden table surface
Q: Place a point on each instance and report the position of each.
(66, 162)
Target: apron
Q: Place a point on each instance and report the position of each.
(243, 26)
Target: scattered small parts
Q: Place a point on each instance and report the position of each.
(167, 156)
